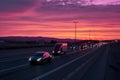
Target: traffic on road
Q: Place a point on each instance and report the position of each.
(62, 67)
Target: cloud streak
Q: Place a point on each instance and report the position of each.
(37, 17)
(15, 5)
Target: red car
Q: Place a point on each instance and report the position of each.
(40, 57)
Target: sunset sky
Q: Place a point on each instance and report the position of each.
(97, 19)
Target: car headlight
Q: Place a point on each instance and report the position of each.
(38, 59)
(53, 51)
(30, 59)
(58, 51)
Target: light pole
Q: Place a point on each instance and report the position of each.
(89, 34)
(75, 22)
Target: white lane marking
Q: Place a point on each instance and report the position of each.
(58, 68)
(87, 64)
(79, 68)
(5, 70)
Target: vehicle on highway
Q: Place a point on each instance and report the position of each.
(40, 57)
(60, 48)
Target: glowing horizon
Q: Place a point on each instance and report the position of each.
(97, 20)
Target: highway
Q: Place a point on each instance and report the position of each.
(89, 64)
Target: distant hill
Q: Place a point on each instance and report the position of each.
(22, 39)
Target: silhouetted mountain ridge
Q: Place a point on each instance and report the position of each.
(22, 39)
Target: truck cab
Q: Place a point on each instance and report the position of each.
(60, 48)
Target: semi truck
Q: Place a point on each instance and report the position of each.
(60, 48)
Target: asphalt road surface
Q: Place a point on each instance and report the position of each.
(90, 64)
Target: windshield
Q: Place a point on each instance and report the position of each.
(39, 54)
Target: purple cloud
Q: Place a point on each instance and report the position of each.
(15, 5)
(58, 14)
(91, 14)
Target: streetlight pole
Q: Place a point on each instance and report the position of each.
(89, 35)
(75, 32)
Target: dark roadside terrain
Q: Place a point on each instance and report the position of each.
(113, 67)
